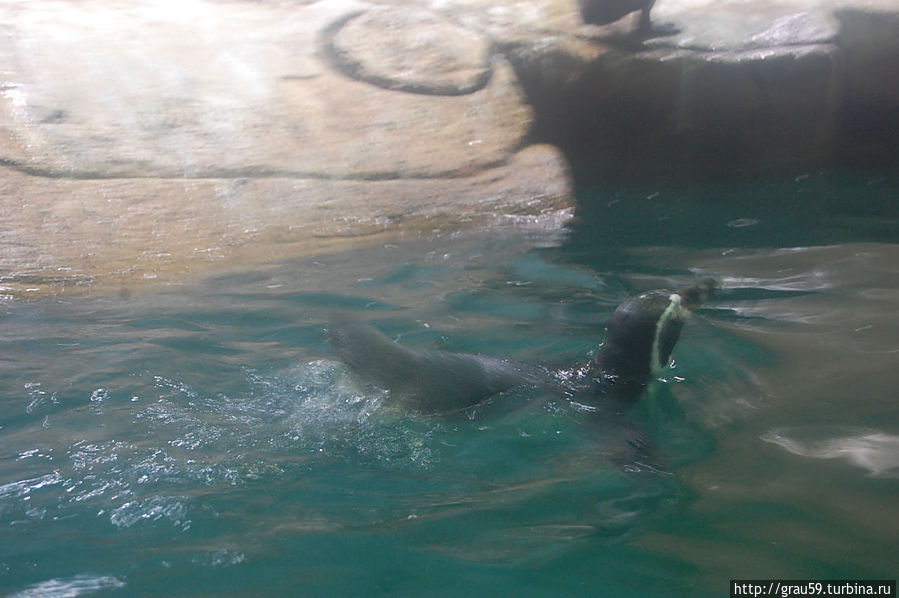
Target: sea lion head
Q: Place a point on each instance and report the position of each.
(641, 336)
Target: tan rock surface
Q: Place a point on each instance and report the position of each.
(229, 89)
(410, 49)
(118, 234)
(146, 145)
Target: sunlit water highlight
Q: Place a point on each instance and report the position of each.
(204, 441)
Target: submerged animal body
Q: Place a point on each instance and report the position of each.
(640, 338)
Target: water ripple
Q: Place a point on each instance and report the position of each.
(22, 488)
(153, 508)
(70, 587)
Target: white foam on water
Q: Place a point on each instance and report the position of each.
(335, 414)
(71, 587)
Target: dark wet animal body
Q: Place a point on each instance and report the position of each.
(640, 338)
(426, 380)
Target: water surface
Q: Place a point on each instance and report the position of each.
(203, 440)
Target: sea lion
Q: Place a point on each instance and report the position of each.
(640, 338)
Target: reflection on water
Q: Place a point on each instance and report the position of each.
(205, 440)
(874, 451)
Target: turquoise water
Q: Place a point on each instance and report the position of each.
(203, 440)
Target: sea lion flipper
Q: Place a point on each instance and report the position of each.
(424, 379)
(371, 354)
